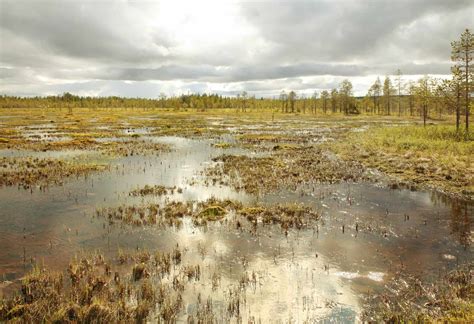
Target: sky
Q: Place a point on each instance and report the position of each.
(144, 48)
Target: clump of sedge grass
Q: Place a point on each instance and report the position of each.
(156, 190)
(410, 300)
(89, 293)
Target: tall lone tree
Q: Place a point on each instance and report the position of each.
(387, 93)
(451, 92)
(334, 95)
(411, 97)
(314, 100)
(424, 96)
(324, 98)
(292, 99)
(345, 93)
(375, 91)
(244, 96)
(399, 85)
(462, 52)
(456, 87)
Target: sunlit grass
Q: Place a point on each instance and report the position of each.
(433, 138)
(435, 155)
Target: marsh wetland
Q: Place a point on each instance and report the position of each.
(143, 215)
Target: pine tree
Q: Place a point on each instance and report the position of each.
(462, 52)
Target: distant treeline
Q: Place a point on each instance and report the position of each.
(334, 101)
(427, 97)
(68, 100)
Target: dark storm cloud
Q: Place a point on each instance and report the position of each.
(345, 30)
(88, 30)
(241, 73)
(52, 45)
(213, 73)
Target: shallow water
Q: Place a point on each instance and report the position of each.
(43, 132)
(63, 154)
(367, 233)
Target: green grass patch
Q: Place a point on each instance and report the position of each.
(433, 138)
(435, 155)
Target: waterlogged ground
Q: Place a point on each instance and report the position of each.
(367, 230)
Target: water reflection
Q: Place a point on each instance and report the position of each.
(461, 217)
(366, 234)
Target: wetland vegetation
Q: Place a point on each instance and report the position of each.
(193, 227)
(206, 208)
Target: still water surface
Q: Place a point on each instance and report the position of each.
(366, 234)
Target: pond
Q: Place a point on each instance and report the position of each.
(366, 234)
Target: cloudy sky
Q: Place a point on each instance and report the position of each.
(144, 48)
